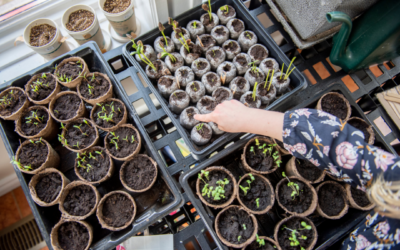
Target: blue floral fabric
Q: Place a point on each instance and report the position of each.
(333, 145)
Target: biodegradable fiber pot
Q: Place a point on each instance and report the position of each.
(260, 188)
(191, 55)
(247, 39)
(206, 104)
(101, 88)
(196, 91)
(173, 66)
(222, 94)
(70, 68)
(281, 84)
(204, 42)
(281, 147)
(269, 64)
(335, 104)
(216, 130)
(69, 107)
(214, 174)
(78, 200)
(176, 37)
(220, 33)
(33, 154)
(139, 174)
(44, 94)
(47, 186)
(200, 66)
(157, 47)
(46, 128)
(332, 200)
(281, 235)
(358, 199)
(304, 170)
(226, 13)
(227, 71)
(116, 210)
(211, 82)
(231, 48)
(269, 244)
(239, 86)
(250, 101)
(124, 151)
(19, 102)
(215, 55)
(254, 75)
(74, 131)
(366, 129)
(178, 101)
(234, 217)
(74, 235)
(123, 22)
(267, 95)
(119, 115)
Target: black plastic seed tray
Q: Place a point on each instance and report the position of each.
(152, 205)
(298, 81)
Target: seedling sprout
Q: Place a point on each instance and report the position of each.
(261, 242)
(258, 202)
(208, 9)
(194, 24)
(294, 242)
(287, 70)
(255, 91)
(162, 28)
(293, 186)
(139, 50)
(20, 166)
(225, 9)
(165, 53)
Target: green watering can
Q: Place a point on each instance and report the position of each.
(373, 38)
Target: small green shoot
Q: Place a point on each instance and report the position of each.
(287, 70)
(208, 9)
(293, 186)
(239, 237)
(258, 202)
(294, 241)
(161, 28)
(20, 166)
(194, 24)
(244, 226)
(261, 242)
(255, 91)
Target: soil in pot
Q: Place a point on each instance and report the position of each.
(166, 85)
(256, 246)
(209, 24)
(231, 48)
(93, 86)
(359, 197)
(116, 6)
(247, 39)
(139, 173)
(206, 105)
(334, 105)
(178, 101)
(267, 95)
(161, 70)
(295, 223)
(34, 122)
(33, 155)
(49, 187)
(201, 134)
(211, 180)
(215, 55)
(236, 226)
(248, 100)
(41, 35)
(66, 106)
(80, 135)
(211, 82)
(69, 71)
(308, 170)
(241, 62)
(222, 94)
(42, 87)
(258, 53)
(80, 20)
(117, 210)
(196, 91)
(122, 142)
(186, 118)
(12, 102)
(195, 52)
(108, 114)
(256, 196)
(235, 27)
(73, 236)
(330, 199)
(363, 126)
(225, 13)
(93, 165)
(298, 203)
(80, 200)
(220, 33)
(206, 41)
(261, 157)
(184, 75)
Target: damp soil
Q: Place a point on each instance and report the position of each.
(255, 73)
(166, 81)
(80, 200)
(308, 170)
(205, 132)
(258, 190)
(66, 106)
(139, 173)
(229, 13)
(215, 53)
(248, 35)
(252, 103)
(190, 114)
(237, 25)
(213, 177)
(100, 166)
(281, 80)
(220, 31)
(360, 125)
(31, 129)
(208, 104)
(231, 223)
(207, 21)
(359, 197)
(69, 70)
(177, 97)
(109, 108)
(33, 154)
(41, 35)
(184, 73)
(13, 102)
(221, 95)
(46, 84)
(93, 88)
(301, 202)
(257, 160)
(258, 53)
(184, 32)
(240, 84)
(264, 91)
(194, 87)
(285, 234)
(117, 210)
(116, 6)
(162, 41)
(242, 61)
(73, 236)
(330, 199)
(231, 46)
(201, 65)
(48, 187)
(125, 147)
(195, 51)
(256, 246)
(80, 20)
(212, 79)
(269, 64)
(334, 105)
(84, 136)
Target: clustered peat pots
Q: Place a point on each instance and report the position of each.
(78, 105)
(213, 59)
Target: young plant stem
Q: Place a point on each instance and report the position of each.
(254, 91)
(162, 28)
(270, 82)
(282, 70)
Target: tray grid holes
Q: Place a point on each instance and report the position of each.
(265, 20)
(382, 126)
(141, 108)
(350, 84)
(363, 76)
(155, 101)
(117, 64)
(192, 244)
(183, 148)
(167, 155)
(309, 76)
(376, 71)
(278, 38)
(129, 86)
(144, 83)
(321, 70)
(389, 65)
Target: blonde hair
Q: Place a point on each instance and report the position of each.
(386, 196)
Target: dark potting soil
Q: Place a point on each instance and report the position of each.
(215, 53)
(227, 68)
(48, 187)
(282, 80)
(269, 64)
(12, 102)
(359, 197)
(206, 20)
(116, 6)
(248, 35)
(73, 236)
(80, 20)
(208, 104)
(255, 73)
(258, 53)
(256, 246)
(98, 86)
(139, 173)
(212, 79)
(162, 41)
(308, 170)
(66, 106)
(228, 13)
(116, 109)
(241, 60)
(237, 25)
(31, 129)
(220, 31)
(257, 160)
(213, 177)
(69, 70)
(194, 87)
(41, 35)
(221, 95)
(179, 96)
(117, 210)
(45, 88)
(100, 166)
(258, 189)
(177, 36)
(80, 200)
(201, 65)
(330, 199)
(84, 136)
(285, 234)
(361, 126)
(190, 113)
(125, 147)
(232, 46)
(264, 91)
(251, 102)
(232, 224)
(166, 81)
(205, 132)
(184, 73)
(301, 202)
(33, 154)
(334, 105)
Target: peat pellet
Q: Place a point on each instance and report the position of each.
(149, 52)
(253, 75)
(195, 28)
(206, 104)
(160, 70)
(211, 82)
(250, 100)
(281, 84)
(166, 85)
(269, 64)
(177, 38)
(220, 33)
(231, 48)
(201, 66)
(184, 75)
(266, 92)
(226, 13)
(235, 27)
(161, 41)
(215, 55)
(222, 94)
(242, 63)
(226, 71)
(191, 55)
(205, 42)
(178, 101)
(258, 53)
(247, 39)
(175, 62)
(186, 118)
(209, 24)
(239, 85)
(195, 90)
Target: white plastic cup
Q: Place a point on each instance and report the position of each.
(93, 33)
(51, 50)
(124, 22)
